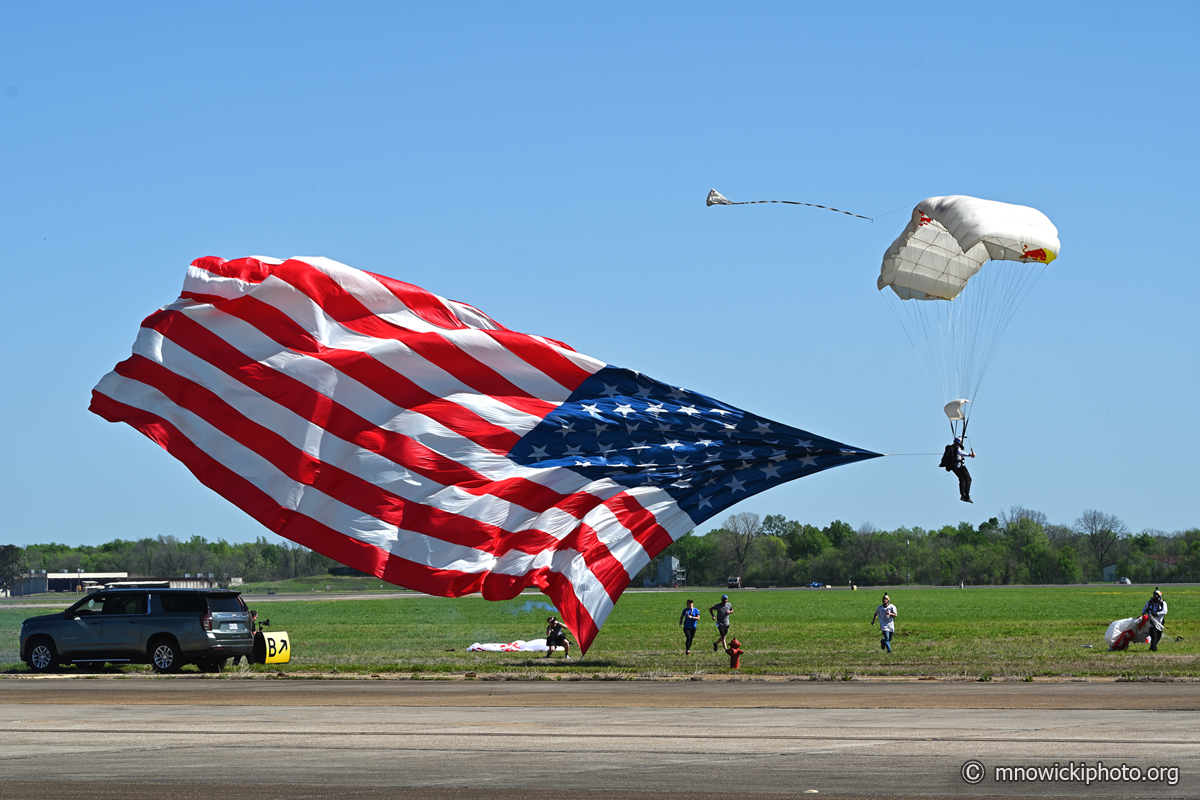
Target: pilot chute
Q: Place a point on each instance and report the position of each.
(956, 276)
(954, 409)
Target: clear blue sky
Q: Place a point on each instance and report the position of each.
(548, 163)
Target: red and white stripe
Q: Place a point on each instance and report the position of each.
(369, 420)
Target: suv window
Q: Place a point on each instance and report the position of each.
(224, 602)
(124, 604)
(183, 603)
(89, 605)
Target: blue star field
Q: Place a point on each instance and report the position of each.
(636, 431)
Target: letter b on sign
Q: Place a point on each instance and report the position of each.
(272, 647)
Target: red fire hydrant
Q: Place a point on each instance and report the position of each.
(735, 654)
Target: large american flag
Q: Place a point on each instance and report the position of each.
(416, 439)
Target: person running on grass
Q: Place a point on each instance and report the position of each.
(689, 619)
(886, 614)
(720, 613)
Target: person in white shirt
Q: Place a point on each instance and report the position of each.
(886, 614)
(1156, 609)
(960, 469)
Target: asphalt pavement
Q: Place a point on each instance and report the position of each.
(185, 736)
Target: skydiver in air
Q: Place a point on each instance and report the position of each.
(960, 469)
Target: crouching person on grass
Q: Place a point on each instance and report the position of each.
(556, 636)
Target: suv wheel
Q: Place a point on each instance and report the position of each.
(164, 655)
(42, 656)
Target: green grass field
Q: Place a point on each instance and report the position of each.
(321, 584)
(1001, 633)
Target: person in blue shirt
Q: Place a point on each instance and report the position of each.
(689, 619)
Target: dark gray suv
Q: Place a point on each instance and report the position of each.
(164, 627)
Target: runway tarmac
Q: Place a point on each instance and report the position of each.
(192, 737)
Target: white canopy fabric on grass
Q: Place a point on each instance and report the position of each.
(1125, 632)
(532, 646)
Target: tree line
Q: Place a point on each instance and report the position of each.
(1019, 547)
(168, 557)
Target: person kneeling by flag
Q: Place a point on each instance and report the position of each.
(556, 636)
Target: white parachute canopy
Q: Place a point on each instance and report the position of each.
(952, 303)
(1125, 632)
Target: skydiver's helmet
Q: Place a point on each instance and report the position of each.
(958, 440)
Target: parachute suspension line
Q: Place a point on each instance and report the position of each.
(972, 326)
(916, 324)
(938, 330)
(935, 329)
(1014, 294)
(894, 210)
(956, 341)
(715, 198)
